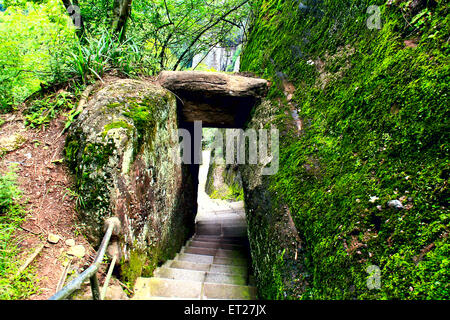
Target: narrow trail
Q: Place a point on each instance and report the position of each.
(214, 263)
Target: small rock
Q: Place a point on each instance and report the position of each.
(395, 204)
(70, 242)
(115, 292)
(53, 238)
(78, 251)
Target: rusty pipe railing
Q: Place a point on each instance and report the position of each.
(112, 227)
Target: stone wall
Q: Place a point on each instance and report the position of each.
(276, 247)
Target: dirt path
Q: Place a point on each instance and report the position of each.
(47, 197)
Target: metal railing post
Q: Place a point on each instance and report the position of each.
(95, 288)
(113, 225)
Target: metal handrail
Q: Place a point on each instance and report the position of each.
(113, 225)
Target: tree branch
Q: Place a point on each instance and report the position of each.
(204, 31)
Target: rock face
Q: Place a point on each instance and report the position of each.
(224, 182)
(276, 247)
(217, 99)
(121, 150)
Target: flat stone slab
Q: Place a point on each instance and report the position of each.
(238, 270)
(180, 274)
(231, 254)
(159, 287)
(217, 99)
(190, 265)
(213, 83)
(230, 262)
(228, 291)
(197, 258)
(197, 250)
(218, 239)
(207, 229)
(215, 245)
(225, 278)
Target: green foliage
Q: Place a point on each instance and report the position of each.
(375, 115)
(34, 41)
(187, 27)
(11, 217)
(103, 52)
(42, 111)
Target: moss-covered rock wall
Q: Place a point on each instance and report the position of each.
(121, 150)
(223, 181)
(359, 92)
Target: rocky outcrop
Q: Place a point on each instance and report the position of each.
(276, 248)
(121, 150)
(224, 182)
(217, 99)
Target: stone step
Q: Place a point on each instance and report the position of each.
(223, 253)
(224, 221)
(231, 262)
(160, 287)
(217, 239)
(198, 250)
(208, 229)
(216, 245)
(180, 274)
(230, 254)
(225, 278)
(197, 258)
(217, 229)
(228, 291)
(229, 269)
(234, 231)
(188, 265)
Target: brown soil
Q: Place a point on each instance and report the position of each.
(47, 198)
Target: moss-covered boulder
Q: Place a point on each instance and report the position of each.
(121, 151)
(224, 181)
(363, 120)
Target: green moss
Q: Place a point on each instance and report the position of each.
(115, 125)
(71, 151)
(132, 269)
(378, 126)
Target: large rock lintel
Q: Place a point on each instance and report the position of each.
(217, 99)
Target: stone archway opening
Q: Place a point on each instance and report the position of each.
(213, 99)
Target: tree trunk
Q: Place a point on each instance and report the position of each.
(121, 12)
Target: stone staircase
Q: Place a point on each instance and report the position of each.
(212, 265)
